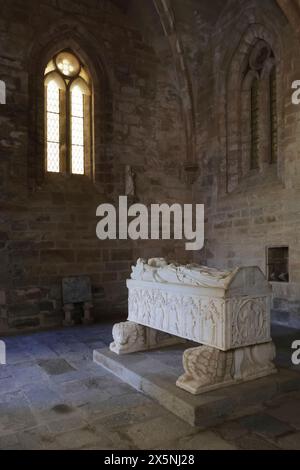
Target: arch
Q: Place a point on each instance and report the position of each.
(82, 85)
(56, 78)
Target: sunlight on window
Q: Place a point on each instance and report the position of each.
(77, 131)
(53, 127)
(68, 64)
(68, 115)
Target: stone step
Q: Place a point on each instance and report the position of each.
(154, 373)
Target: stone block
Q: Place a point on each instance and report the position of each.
(2, 297)
(46, 306)
(76, 289)
(265, 425)
(23, 310)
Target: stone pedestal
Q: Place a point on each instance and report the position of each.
(68, 309)
(207, 368)
(153, 374)
(77, 291)
(87, 315)
(130, 337)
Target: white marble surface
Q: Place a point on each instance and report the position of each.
(220, 309)
(159, 270)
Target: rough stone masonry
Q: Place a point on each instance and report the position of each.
(169, 104)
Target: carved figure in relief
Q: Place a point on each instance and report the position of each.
(159, 270)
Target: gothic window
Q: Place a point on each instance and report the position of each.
(68, 115)
(254, 160)
(252, 118)
(273, 115)
(261, 73)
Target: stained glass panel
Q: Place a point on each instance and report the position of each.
(53, 127)
(77, 160)
(68, 64)
(77, 131)
(53, 157)
(52, 97)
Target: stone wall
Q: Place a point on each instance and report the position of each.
(48, 222)
(262, 208)
(162, 75)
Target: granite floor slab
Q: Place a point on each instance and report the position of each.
(52, 396)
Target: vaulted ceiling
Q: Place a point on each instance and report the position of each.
(211, 9)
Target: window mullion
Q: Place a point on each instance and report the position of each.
(62, 131)
(68, 132)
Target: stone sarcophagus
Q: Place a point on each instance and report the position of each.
(227, 312)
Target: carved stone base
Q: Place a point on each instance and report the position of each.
(87, 314)
(207, 368)
(68, 320)
(87, 318)
(130, 337)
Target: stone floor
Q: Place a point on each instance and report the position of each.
(52, 396)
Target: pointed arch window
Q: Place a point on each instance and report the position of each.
(263, 105)
(273, 115)
(254, 159)
(68, 126)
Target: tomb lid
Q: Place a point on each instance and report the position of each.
(159, 270)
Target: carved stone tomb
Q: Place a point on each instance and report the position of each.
(226, 312)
